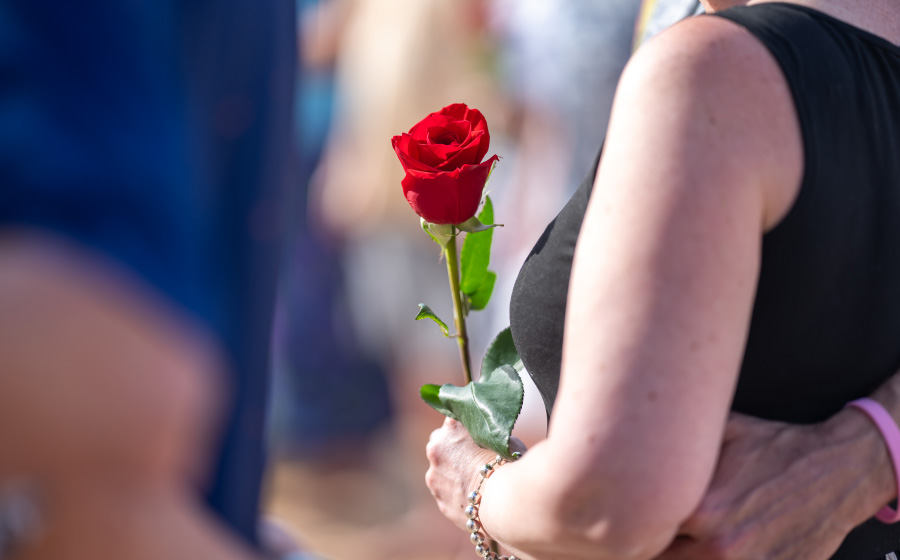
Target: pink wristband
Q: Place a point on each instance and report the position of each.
(891, 434)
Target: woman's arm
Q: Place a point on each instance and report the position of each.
(702, 155)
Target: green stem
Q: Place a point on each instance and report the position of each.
(459, 318)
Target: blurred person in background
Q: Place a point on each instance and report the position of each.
(658, 15)
(557, 63)
(142, 150)
(329, 399)
(351, 479)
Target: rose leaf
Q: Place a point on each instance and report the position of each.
(501, 352)
(430, 394)
(474, 225)
(476, 252)
(488, 408)
(481, 297)
(425, 312)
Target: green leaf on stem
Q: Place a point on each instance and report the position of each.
(501, 352)
(431, 395)
(477, 225)
(476, 281)
(488, 408)
(476, 253)
(482, 296)
(425, 312)
(474, 225)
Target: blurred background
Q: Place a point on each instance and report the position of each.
(347, 427)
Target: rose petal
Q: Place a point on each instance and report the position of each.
(478, 125)
(446, 117)
(444, 137)
(470, 153)
(420, 130)
(449, 197)
(454, 133)
(436, 155)
(460, 111)
(408, 152)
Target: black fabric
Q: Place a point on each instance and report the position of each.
(825, 327)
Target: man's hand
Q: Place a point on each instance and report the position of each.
(784, 491)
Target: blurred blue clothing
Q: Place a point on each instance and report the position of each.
(156, 133)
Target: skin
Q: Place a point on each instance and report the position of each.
(634, 453)
(783, 492)
(109, 402)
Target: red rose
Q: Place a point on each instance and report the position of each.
(442, 158)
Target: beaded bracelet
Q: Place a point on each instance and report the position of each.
(473, 525)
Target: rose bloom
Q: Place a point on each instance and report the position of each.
(442, 157)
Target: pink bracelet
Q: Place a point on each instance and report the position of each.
(891, 434)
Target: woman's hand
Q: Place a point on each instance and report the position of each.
(455, 461)
(785, 491)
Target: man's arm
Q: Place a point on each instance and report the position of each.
(108, 405)
(786, 491)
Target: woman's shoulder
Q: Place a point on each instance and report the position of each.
(712, 48)
(712, 61)
(739, 41)
(710, 82)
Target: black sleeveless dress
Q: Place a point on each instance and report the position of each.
(825, 327)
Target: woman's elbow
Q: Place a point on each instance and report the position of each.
(614, 521)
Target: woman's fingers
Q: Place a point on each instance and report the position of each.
(454, 460)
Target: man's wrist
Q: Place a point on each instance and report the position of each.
(866, 464)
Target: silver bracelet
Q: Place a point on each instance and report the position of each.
(473, 525)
